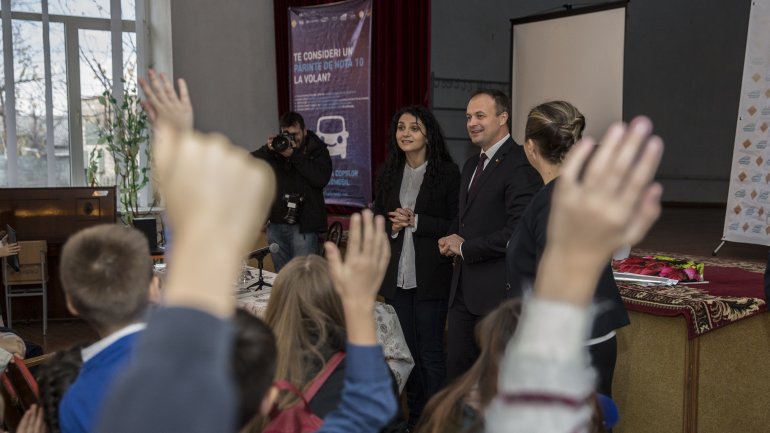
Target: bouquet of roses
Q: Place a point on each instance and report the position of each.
(661, 266)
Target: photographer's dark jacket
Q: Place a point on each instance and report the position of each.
(306, 172)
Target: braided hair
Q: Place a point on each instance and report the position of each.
(554, 127)
(54, 378)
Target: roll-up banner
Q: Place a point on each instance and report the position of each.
(747, 217)
(330, 87)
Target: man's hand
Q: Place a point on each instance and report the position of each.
(357, 279)
(443, 246)
(600, 204)
(205, 181)
(450, 245)
(287, 152)
(162, 102)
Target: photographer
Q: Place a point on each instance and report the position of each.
(302, 169)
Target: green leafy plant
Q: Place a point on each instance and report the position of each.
(94, 158)
(124, 132)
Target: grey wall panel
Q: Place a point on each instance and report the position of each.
(683, 63)
(225, 49)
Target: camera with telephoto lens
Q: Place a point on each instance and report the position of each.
(282, 141)
(293, 203)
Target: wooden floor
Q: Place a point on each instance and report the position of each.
(697, 232)
(687, 231)
(61, 333)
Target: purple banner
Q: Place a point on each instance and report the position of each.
(330, 51)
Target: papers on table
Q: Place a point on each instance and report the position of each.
(644, 280)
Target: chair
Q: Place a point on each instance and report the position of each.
(30, 280)
(19, 390)
(334, 235)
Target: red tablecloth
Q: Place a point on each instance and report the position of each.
(733, 293)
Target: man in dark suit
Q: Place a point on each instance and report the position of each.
(495, 187)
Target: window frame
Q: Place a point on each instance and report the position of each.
(72, 25)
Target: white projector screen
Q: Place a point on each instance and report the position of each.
(576, 58)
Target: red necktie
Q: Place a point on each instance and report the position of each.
(479, 169)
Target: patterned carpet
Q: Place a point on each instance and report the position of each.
(735, 291)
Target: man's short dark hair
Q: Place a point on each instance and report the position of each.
(502, 102)
(291, 118)
(106, 272)
(254, 362)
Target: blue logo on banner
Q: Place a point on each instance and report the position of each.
(733, 227)
(756, 178)
(331, 87)
(754, 94)
(765, 111)
(762, 145)
(750, 127)
(750, 211)
(763, 196)
(745, 160)
(740, 193)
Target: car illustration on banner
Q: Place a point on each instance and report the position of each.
(331, 129)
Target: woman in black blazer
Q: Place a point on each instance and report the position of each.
(418, 190)
(551, 131)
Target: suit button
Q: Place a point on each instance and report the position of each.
(507, 286)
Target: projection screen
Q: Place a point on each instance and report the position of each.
(576, 56)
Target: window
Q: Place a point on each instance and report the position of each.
(63, 55)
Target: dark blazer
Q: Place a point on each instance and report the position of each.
(486, 220)
(436, 207)
(526, 248)
(306, 172)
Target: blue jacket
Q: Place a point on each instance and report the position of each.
(182, 382)
(83, 401)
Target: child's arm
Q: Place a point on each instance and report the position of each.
(368, 402)
(600, 204)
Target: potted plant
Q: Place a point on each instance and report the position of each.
(124, 133)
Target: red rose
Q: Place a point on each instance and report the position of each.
(673, 273)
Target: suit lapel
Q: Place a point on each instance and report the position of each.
(487, 173)
(423, 202)
(465, 182)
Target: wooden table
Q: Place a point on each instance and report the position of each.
(683, 372)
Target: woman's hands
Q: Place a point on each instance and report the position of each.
(401, 218)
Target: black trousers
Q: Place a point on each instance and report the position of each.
(603, 358)
(423, 323)
(462, 350)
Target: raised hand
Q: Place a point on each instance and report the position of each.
(604, 199)
(209, 187)
(163, 104)
(358, 277)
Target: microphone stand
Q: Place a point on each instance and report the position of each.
(261, 283)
